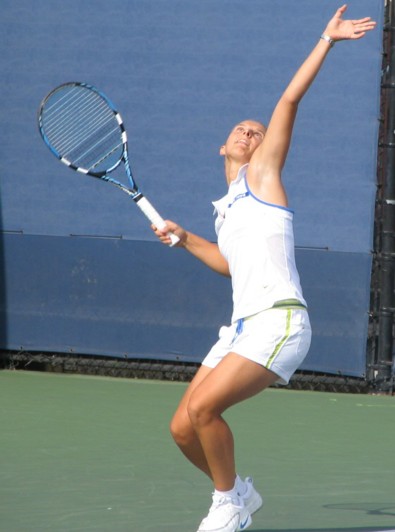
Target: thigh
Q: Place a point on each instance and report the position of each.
(233, 380)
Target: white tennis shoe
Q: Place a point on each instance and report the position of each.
(226, 516)
(251, 498)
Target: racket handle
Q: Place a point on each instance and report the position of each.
(154, 217)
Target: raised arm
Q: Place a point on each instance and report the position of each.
(264, 173)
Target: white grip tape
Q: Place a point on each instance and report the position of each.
(155, 218)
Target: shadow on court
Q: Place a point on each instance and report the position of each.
(384, 509)
(368, 508)
(82, 453)
(324, 530)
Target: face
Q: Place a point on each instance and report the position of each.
(243, 140)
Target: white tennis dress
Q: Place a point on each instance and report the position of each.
(257, 240)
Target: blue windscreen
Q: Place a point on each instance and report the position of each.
(181, 74)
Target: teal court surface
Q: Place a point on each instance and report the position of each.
(83, 453)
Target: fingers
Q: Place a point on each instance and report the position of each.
(342, 29)
(357, 36)
(165, 234)
(340, 12)
(362, 26)
(343, 9)
(160, 233)
(366, 22)
(362, 20)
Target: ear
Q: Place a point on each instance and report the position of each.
(222, 150)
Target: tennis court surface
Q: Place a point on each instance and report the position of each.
(83, 453)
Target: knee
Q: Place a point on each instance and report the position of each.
(199, 413)
(181, 430)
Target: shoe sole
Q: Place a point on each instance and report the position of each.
(245, 525)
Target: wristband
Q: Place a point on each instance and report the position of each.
(328, 39)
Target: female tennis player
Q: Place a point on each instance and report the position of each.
(270, 333)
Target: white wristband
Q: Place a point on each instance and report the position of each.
(328, 39)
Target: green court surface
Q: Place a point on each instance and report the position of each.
(82, 453)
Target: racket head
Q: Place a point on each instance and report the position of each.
(83, 129)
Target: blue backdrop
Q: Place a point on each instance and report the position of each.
(82, 271)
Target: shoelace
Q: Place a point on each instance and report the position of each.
(218, 500)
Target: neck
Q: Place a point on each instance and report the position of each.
(232, 169)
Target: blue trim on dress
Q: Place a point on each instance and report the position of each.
(265, 202)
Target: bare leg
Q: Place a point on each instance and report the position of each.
(182, 430)
(232, 381)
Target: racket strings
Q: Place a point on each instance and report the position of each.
(65, 119)
(83, 129)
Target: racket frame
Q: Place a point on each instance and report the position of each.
(133, 191)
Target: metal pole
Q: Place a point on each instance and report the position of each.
(383, 373)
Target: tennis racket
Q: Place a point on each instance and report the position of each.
(83, 129)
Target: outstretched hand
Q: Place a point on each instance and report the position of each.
(339, 29)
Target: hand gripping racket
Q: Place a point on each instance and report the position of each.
(82, 128)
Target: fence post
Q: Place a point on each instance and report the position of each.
(385, 253)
